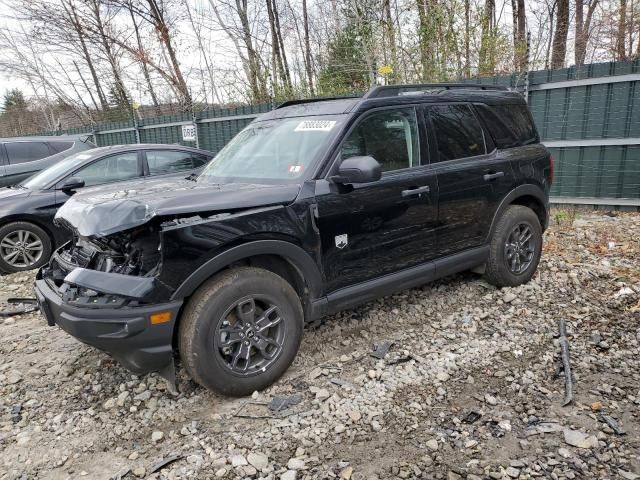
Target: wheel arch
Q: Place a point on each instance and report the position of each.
(528, 195)
(278, 256)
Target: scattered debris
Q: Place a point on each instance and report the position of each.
(278, 404)
(613, 425)
(380, 350)
(24, 302)
(566, 364)
(164, 462)
(471, 417)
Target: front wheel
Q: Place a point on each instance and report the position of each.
(515, 248)
(240, 331)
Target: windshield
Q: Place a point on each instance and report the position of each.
(45, 177)
(279, 151)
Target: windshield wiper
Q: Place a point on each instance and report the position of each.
(192, 177)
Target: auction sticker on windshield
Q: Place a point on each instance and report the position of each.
(315, 125)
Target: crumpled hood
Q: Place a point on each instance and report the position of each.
(105, 210)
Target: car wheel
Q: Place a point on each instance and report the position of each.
(240, 331)
(23, 246)
(515, 249)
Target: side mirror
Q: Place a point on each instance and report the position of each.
(71, 184)
(358, 170)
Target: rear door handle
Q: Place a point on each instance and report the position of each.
(416, 192)
(492, 176)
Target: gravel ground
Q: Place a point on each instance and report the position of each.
(469, 388)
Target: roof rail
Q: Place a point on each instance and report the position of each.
(397, 90)
(302, 101)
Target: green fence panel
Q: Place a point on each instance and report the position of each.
(607, 109)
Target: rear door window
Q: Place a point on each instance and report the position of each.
(458, 132)
(513, 117)
(123, 166)
(23, 152)
(165, 161)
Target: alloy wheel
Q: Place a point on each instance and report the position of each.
(519, 249)
(21, 248)
(251, 335)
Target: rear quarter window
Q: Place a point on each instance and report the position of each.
(509, 125)
(59, 147)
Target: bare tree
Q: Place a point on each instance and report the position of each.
(583, 29)
(242, 37)
(519, 34)
(560, 37)
(621, 53)
(487, 60)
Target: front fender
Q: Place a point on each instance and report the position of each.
(295, 255)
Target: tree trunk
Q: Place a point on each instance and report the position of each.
(122, 97)
(77, 25)
(621, 53)
(307, 47)
(583, 29)
(283, 53)
(560, 38)
(143, 63)
(487, 42)
(165, 37)
(467, 39)
(519, 34)
(426, 39)
(255, 75)
(391, 37)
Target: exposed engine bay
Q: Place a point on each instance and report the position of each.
(134, 252)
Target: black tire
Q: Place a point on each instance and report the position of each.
(208, 351)
(11, 260)
(502, 254)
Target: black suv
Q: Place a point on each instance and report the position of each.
(315, 207)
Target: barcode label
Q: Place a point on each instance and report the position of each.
(315, 125)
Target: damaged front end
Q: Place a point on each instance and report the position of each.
(105, 291)
(109, 271)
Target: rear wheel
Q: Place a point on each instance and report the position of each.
(515, 249)
(23, 246)
(240, 331)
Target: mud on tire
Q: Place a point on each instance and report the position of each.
(240, 331)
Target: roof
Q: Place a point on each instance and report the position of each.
(397, 95)
(47, 138)
(143, 146)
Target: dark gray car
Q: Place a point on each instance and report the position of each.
(21, 157)
(27, 232)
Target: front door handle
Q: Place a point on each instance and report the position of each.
(492, 176)
(416, 191)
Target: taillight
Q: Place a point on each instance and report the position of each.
(551, 168)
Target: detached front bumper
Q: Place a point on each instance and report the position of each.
(126, 333)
